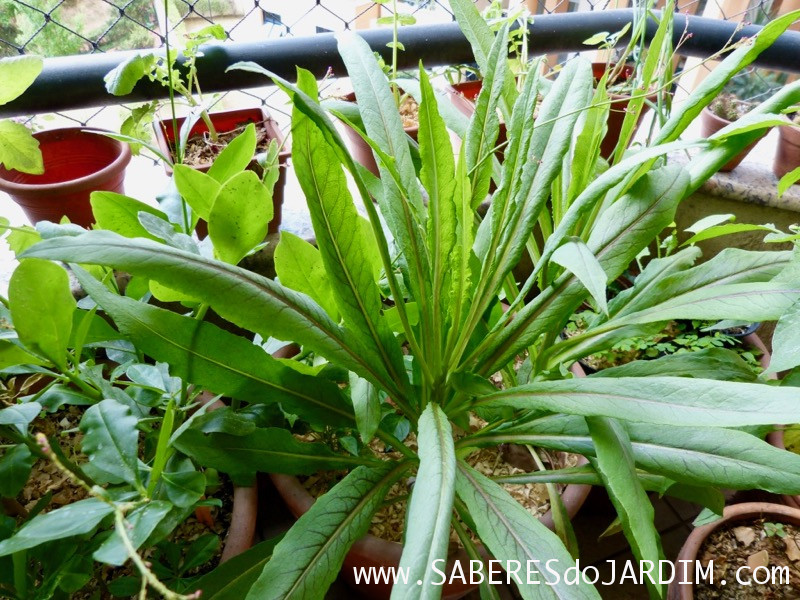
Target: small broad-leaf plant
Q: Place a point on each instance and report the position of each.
(117, 485)
(411, 331)
(19, 150)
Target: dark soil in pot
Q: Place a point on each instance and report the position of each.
(787, 156)
(751, 539)
(77, 162)
(201, 150)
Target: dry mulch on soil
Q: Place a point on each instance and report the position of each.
(749, 544)
(202, 150)
(388, 522)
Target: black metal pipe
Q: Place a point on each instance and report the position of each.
(77, 81)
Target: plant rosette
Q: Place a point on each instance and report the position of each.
(382, 547)
(751, 552)
(420, 321)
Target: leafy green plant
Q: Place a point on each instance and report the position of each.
(121, 80)
(134, 488)
(424, 327)
(774, 530)
(18, 148)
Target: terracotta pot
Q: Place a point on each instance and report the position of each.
(619, 104)
(371, 551)
(735, 513)
(463, 96)
(787, 156)
(241, 531)
(226, 121)
(711, 123)
(77, 162)
(360, 150)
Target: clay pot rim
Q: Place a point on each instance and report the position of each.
(120, 162)
(732, 514)
(790, 134)
(244, 512)
(270, 124)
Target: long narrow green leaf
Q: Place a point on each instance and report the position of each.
(657, 400)
(698, 456)
(308, 559)
(549, 143)
(402, 206)
(484, 125)
(709, 363)
(242, 297)
(203, 354)
(431, 508)
(711, 86)
(438, 175)
(368, 185)
(615, 465)
(751, 302)
(264, 450)
(481, 37)
(519, 132)
(618, 236)
(512, 534)
(343, 247)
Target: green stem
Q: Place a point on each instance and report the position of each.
(162, 448)
(390, 440)
(395, 21)
(178, 151)
(20, 561)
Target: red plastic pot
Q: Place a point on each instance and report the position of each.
(787, 156)
(371, 551)
(77, 162)
(736, 513)
(361, 151)
(224, 122)
(710, 124)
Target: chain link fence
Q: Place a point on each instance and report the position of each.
(66, 27)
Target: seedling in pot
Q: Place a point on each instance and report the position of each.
(164, 69)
